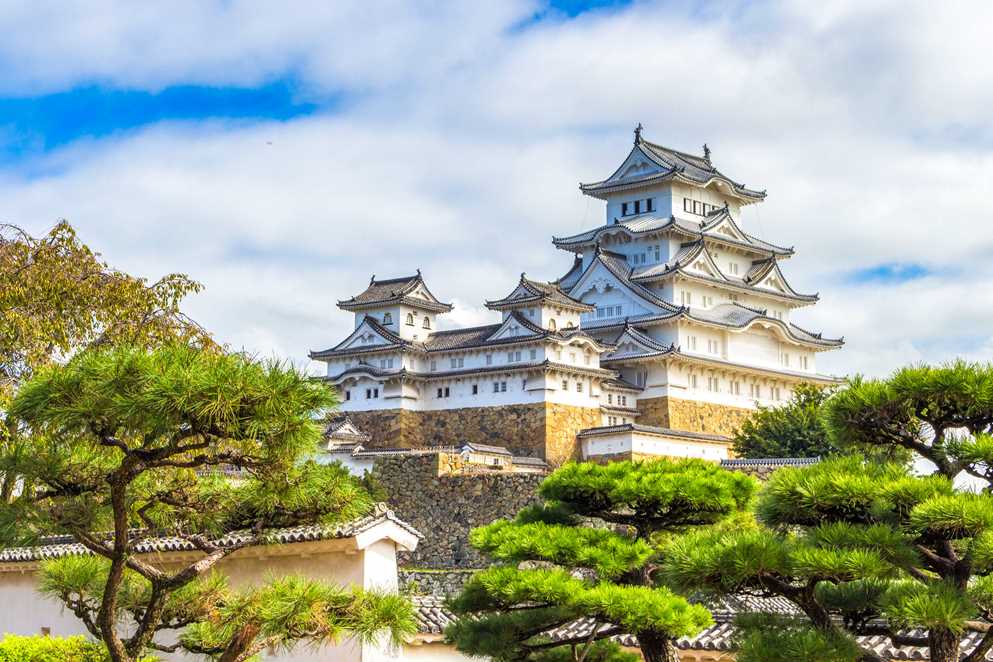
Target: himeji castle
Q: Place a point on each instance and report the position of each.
(671, 324)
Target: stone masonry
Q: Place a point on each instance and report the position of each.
(544, 430)
(691, 416)
(445, 507)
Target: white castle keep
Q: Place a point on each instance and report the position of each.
(671, 324)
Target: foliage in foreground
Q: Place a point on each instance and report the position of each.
(15, 648)
(862, 547)
(798, 428)
(590, 551)
(58, 297)
(119, 442)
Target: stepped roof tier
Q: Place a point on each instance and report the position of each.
(530, 292)
(408, 290)
(514, 330)
(718, 227)
(671, 165)
(694, 261)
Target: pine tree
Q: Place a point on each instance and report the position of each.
(123, 444)
(590, 552)
(863, 547)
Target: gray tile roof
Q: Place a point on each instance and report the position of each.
(737, 462)
(675, 165)
(648, 223)
(433, 617)
(532, 291)
(393, 291)
(63, 546)
(736, 315)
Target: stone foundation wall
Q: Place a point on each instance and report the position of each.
(442, 583)
(691, 415)
(446, 507)
(519, 428)
(544, 430)
(389, 428)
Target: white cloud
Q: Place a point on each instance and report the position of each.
(460, 147)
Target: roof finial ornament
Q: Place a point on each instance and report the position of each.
(371, 280)
(418, 272)
(637, 133)
(706, 153)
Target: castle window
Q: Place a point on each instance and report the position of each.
(692, 381)
(610, 398)
(410, 319)
(755, 391)
(713, 346)
(534, 354)
(368, 394)
(650, 204)
(624, 209)
(447, 392)
(686, 297)
(387, 318)
(623, 400)
(439, 393)
(713, 384)
(736, 388)
(375, 392)
(733, 268)
(786, 359)
(348, 395)
(427, 323)
(637, 206)
(803, 362)
(691, 342)
(503, 387)
(708, 301)
(510, 357)
(579, 387)
(496, 387)
(434, 366)
(475, 389)
(551, 324)
(489, 359)
(587, 358)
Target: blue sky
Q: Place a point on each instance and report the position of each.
(283, 156)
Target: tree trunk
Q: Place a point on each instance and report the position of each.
(657, 648)
(944, 645)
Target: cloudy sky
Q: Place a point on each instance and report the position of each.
(281, 153)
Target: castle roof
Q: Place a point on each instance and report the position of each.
(407, 290)
(755, 280)
(649, 163)
(63, 546)
(717, 227)
(530, 292)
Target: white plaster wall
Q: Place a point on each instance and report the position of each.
(661, 194)
(649, 444)
(708, 195)
(374, 567)
(436, 652)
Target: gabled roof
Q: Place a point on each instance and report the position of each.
(650, 163)
(408, 290)
(529, 292)
(682, 264)
(767, 276)
(648, 224)
(368, 325)
(575, 271)
(342, 429)
(647, 346)
(617, 265)
(489, 335)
